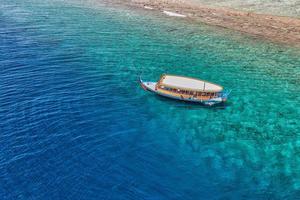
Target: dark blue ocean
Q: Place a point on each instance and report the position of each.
(75, 124)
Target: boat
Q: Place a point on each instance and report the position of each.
(187, 89)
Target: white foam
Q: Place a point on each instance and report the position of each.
(172, 14)
(148, 7)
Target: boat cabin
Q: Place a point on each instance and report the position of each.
(184, 87)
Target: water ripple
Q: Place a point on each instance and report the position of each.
(74, 122)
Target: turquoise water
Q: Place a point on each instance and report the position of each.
(75, 124)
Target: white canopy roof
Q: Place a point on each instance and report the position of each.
(189, 83)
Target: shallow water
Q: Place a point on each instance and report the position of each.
(75, 124)
(289, 8)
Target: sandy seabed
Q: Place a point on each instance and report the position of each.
(281, 29)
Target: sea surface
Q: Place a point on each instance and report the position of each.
(289, 8)
(75, 124)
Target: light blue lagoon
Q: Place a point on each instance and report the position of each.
(75, 124)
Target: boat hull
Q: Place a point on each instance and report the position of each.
(151, 86)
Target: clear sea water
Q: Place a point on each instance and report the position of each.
(274, 7)
(74, 123)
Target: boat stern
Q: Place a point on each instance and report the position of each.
(224, 95)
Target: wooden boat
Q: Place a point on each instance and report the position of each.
(187, 89)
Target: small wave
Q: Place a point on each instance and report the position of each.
(172, 14)
(148, 7)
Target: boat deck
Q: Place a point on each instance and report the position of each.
(185, 96)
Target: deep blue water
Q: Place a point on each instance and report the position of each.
(74, 123)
